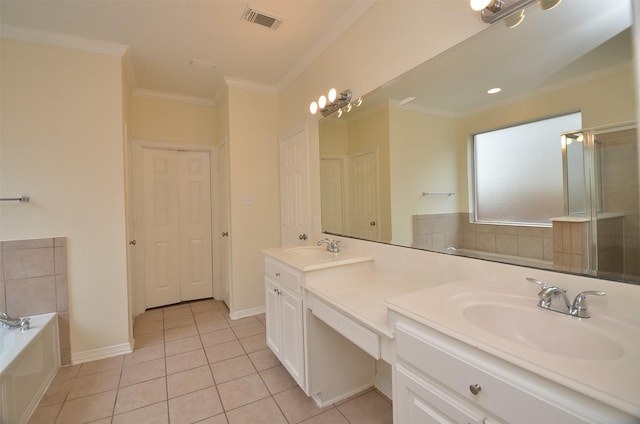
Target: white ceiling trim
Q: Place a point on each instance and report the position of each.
(251, 86)
(332, 34)
(61, 40)
(172, 97)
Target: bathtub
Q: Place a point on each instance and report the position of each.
(28, 363)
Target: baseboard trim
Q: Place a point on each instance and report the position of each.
(101, 353)
(338, 398)
(384, 386)
(247, 312)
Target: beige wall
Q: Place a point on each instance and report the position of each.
(61, 142)
(420, 162)
(166, 120)
(254, 171)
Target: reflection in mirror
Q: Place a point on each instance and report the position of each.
(400, 169)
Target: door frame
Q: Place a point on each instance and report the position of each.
(136, 186)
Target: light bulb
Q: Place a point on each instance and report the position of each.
(313, 108)
(515, 19)
(478, 5)
(333, 94)
(322, 102)
(548, 4)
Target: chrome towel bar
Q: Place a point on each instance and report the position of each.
(21, 199)
(438, 193)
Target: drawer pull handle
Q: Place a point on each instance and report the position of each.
(277, 274)
(475, 388)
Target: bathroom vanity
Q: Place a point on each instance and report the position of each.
(467, 351)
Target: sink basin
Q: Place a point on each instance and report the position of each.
(543, 330)
(311, 253)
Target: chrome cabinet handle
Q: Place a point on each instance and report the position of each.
(475, 388)
(303, 237)
(132, 242)
(225, 234)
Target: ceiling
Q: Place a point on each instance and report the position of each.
(164, 36)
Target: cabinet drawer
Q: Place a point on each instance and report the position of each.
(358, 334)
(283, 275)
(513, 394)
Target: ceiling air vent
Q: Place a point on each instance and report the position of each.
(266, 19)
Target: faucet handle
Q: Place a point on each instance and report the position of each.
(542, 284)
(579, 307)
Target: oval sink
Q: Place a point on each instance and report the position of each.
(311, 253)
(543, 330)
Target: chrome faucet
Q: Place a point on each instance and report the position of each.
(332, 245)
(576, 309)
(8, 322)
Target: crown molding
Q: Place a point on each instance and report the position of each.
(251, 86)
(332, 34)
(62, 40)
(173, 97)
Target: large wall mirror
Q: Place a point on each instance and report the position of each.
(409, 166)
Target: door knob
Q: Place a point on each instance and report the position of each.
(132, 242)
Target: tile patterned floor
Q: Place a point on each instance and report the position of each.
(193, 364)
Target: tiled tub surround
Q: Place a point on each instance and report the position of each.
(439, 231)
(33, 281)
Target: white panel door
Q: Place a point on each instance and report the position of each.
(194, 181)
(332, 189)
(161, 227)
(294, 188)
(363, 196)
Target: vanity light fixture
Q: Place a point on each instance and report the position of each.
(334, 101)
(514, 20)
(492, 11)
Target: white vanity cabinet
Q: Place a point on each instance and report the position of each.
(438, 379)
(284, 317)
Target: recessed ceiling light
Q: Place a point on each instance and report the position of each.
(494, 90)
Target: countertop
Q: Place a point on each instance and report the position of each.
(363, 297)
(306, 258)
(615, 382)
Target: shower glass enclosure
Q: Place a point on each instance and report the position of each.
(601, 227)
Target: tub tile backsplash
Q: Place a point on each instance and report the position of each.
(33, 281)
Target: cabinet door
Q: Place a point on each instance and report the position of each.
(272, 312)
(417, 400)
(292, 354)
